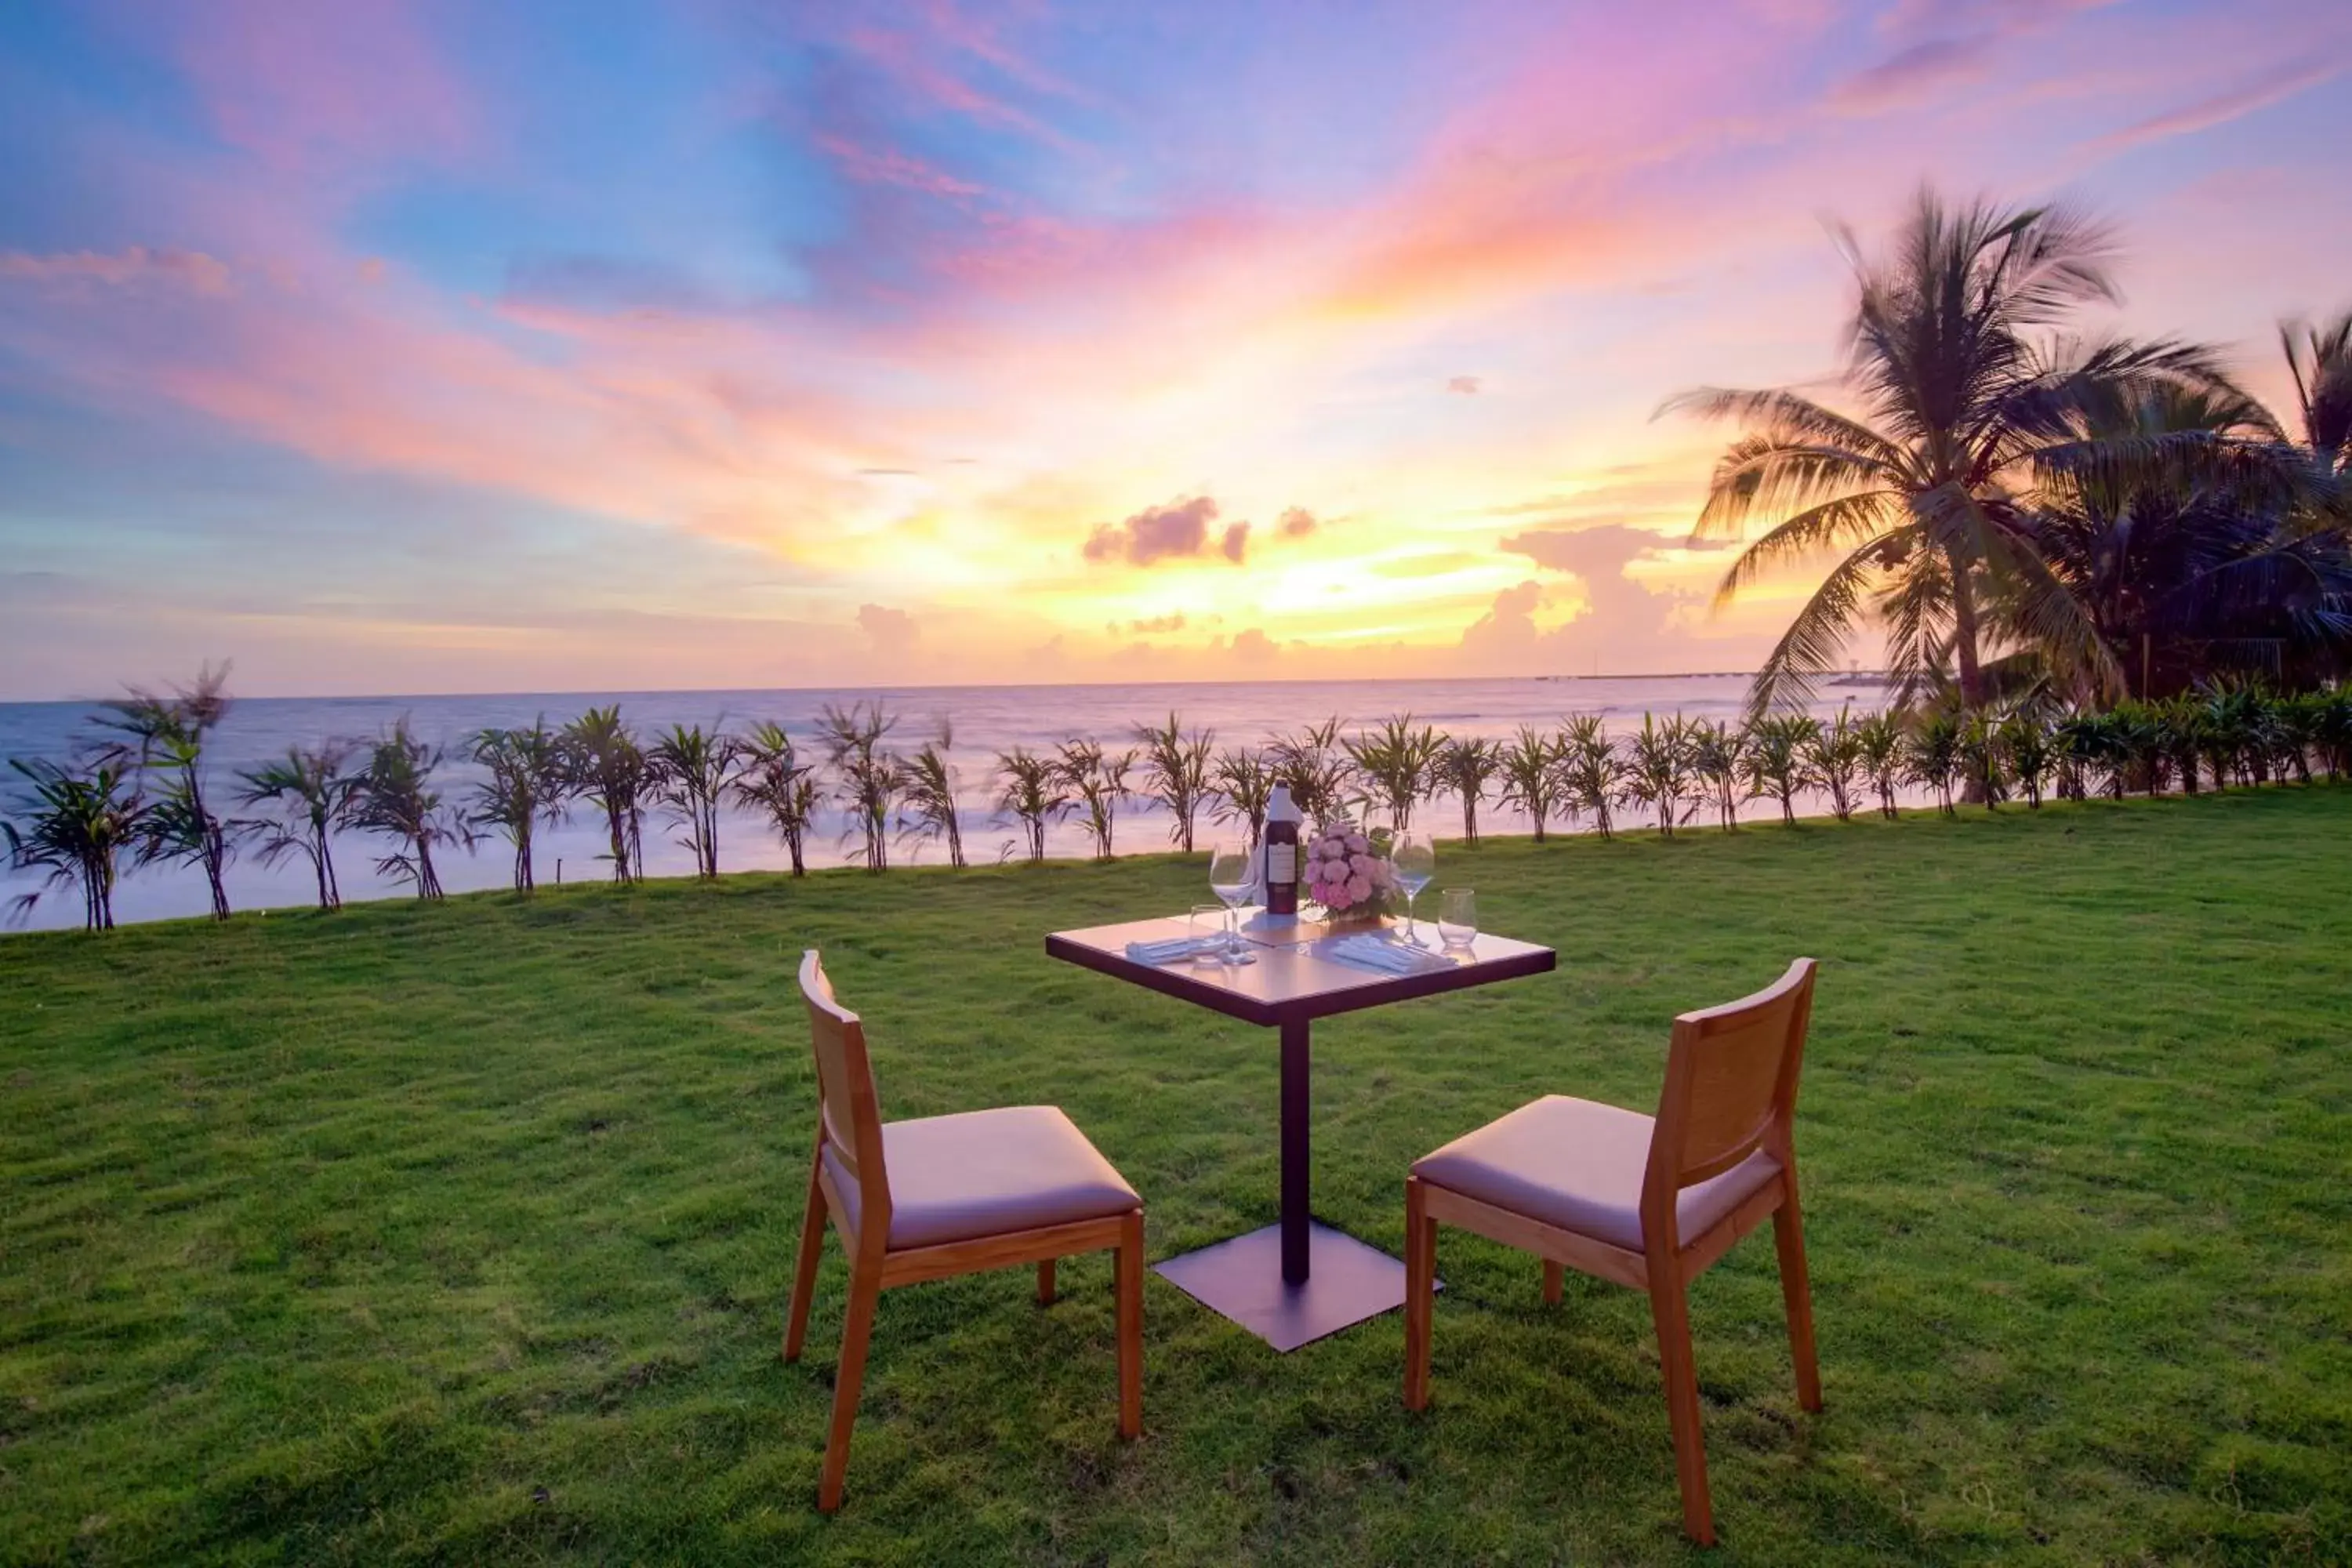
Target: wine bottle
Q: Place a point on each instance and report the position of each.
(1282, 821)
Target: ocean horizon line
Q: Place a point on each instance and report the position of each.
(380, 696)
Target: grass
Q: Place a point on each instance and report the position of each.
(462, 1234)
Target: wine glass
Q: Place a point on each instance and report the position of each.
(1230, 878)
(1414, 860)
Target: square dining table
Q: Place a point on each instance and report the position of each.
(1298, 1279)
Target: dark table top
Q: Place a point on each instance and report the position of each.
(1294, 979)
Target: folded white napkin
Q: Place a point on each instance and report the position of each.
(1166, 951)
(1389, 957)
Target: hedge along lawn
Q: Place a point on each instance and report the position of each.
(464, 1233)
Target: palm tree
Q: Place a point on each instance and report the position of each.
(1933, 754)
(604, 761)
(1398, 764)
(524, 785)
(1716, 755)
(2226, 718)
(1464, 768)
(1777, 747)
(2320, 360)
(1591, 771)
(690, 769)
(2027, 753)
(1982, 757)
(2302, 727)
(1176, 773)
(1244, 782)
(165, 734)
(2139, 732)
(930, 798)
(774, 782)
(1315, 767)
(1880, 738)
(1099, 781)
(1917, 494)
(72, 826)
(2183, 523)
(867, 780)
(311, 794)
(1658, 768)
(2331, 730)
(1834, 756)
(393, 795)
(2087, 747)
(1031, 794)
(1531, 777)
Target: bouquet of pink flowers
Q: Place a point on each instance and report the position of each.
(1349, 872)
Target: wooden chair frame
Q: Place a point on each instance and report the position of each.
(1705, 1126)
(849, 1121)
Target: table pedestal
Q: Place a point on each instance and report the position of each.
(1347, 1282)
(1295, 1280)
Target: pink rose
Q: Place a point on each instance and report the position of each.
(1361, 865)
(1358, 843)
(1358, 888)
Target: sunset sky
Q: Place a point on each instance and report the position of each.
(394, 347)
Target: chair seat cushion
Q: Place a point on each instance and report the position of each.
(1580, 1165)
(985, 1173)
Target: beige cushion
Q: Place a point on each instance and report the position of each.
(1579, 1166)
(984, 1172)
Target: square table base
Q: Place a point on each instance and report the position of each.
(1348, 1282)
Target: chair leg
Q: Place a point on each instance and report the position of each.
(857, 1327)
(804, 1274)
(1797, 1293)
(1131, 1326)
(1046, 1283)
(1671, 1312)
(1420, 1291)
(1553, 1274)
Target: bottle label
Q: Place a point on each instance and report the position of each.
(1281, 863)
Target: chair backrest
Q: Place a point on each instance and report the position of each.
(1731, 1082)
(849, 1115)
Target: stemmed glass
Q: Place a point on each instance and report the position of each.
(1230, 878)
(1414, 860)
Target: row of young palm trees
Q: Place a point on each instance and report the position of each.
(2017, 506)
(139, 791)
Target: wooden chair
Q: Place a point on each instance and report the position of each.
(1647, 1203)
(943, 1195)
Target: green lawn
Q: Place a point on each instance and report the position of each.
(463, 1233)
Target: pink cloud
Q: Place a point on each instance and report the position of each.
(302, 84)
(890, 631)
(915, 60)
(2274, 86)
(1177, 530)
(891, 168)
(189, 270)
(1914, 74)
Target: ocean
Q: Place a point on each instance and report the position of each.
(985, 719)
